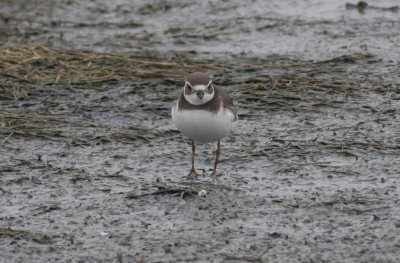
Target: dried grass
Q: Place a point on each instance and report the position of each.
(42, 65)
(58, 128)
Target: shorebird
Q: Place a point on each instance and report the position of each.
(204, 113)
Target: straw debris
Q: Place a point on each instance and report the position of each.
(56, 128)
(42, 65)
(15, 234)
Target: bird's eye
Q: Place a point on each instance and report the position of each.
(188, 88)
(209, 88)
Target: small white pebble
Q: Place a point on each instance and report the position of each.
(202, 193)
(103, 234)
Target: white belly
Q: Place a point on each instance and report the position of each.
(203, 126)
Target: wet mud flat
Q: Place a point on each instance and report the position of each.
(92, 170)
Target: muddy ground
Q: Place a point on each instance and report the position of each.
(92, 170)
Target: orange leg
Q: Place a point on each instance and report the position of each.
(193, 173)
(216, 159)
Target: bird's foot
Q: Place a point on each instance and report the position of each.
(214, 174)
(193, 174)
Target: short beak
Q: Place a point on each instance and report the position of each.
(200, 94)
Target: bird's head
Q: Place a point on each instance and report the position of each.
(198, 88)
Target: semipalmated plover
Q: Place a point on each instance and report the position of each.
(204, 113)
